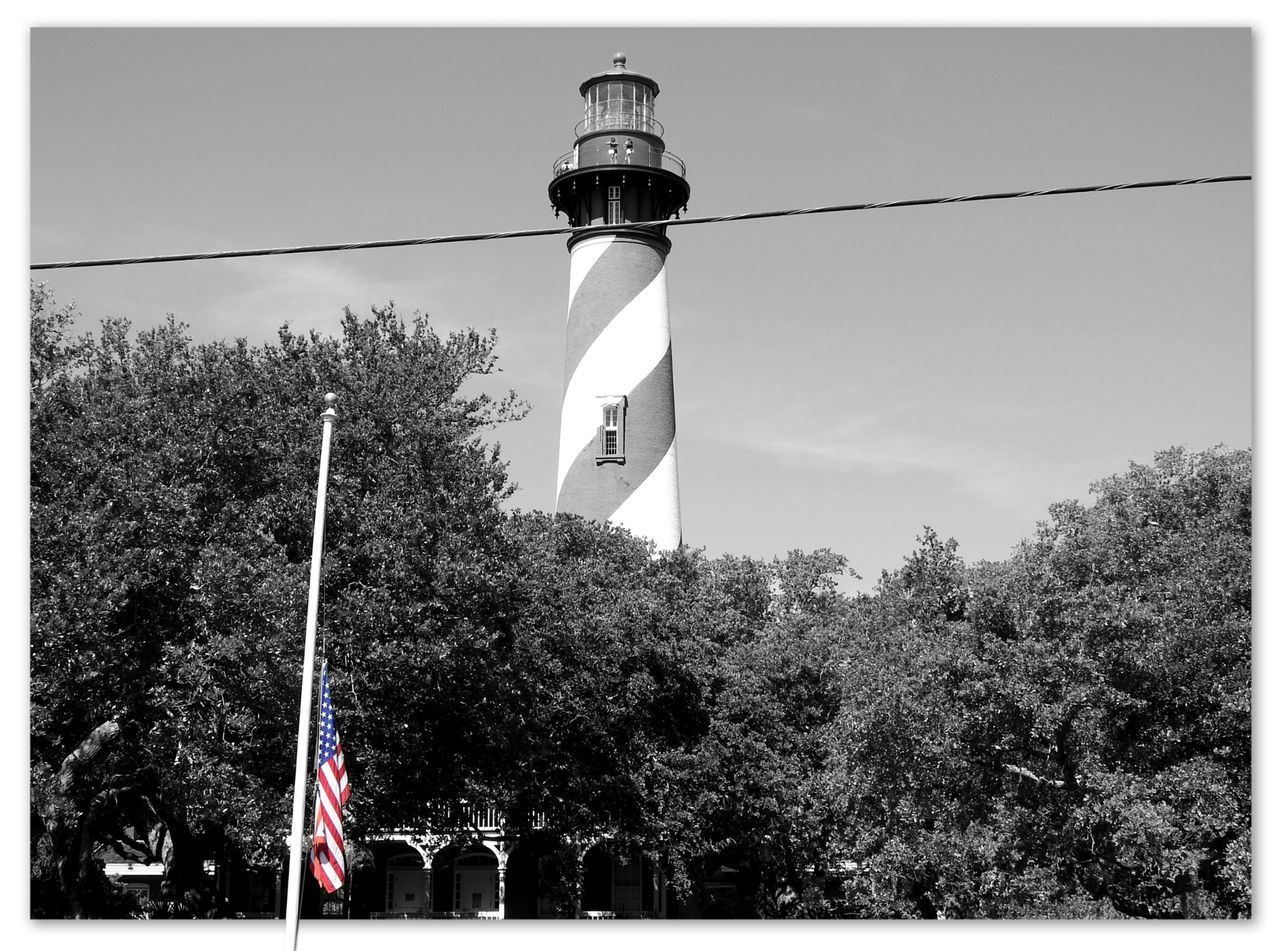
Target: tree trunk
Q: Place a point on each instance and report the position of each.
(70, 814)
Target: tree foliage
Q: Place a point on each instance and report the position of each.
(172, 490)
(1065, 733)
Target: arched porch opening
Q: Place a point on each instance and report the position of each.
(619, 883)
(393, 877)
(408, 885)
(535, 880)
(465, 881)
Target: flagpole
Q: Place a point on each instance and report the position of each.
(296, 855)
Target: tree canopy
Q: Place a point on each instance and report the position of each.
(172, 490)
(1064, 733)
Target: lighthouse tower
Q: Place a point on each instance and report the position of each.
(617, 419)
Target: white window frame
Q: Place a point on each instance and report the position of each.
(613, 420)
(613, 213)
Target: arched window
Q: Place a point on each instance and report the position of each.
(613, 430)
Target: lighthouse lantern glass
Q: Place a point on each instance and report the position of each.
(619, 104)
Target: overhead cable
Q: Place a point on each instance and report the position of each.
(669, 223)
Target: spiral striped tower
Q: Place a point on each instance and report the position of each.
(618, 419)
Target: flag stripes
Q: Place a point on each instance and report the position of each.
(328, 858)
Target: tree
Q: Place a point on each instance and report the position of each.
(909, 744)
(747, 791)
(1126, 628)
(1065, 733)
(171, 499)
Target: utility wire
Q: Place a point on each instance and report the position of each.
(669, 223)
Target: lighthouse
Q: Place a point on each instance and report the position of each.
(617, 459)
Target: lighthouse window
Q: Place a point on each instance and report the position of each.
(611, 432)
(615, 205)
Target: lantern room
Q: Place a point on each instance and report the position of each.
(619, 100)
(619, 170)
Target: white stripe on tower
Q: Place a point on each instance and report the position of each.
(583, 257)
(655, 503)
(619, 345)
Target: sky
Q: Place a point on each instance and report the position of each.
(841, 380)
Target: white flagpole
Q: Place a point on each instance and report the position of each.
(297, 856)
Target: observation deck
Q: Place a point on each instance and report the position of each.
(616, 153)
(619, 169)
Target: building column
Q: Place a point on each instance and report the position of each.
(501, 849)
(581, 846)
(659, 891)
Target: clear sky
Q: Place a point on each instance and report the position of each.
(841, 380)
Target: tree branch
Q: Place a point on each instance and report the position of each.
(86, 753)
(1022, 771)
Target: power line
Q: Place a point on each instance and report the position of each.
(712, 219)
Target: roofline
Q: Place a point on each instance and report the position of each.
(618, 72)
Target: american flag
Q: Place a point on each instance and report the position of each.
(328, 862)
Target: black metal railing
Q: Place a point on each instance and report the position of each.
(598, 155)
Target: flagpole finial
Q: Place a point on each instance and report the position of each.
(329, 412)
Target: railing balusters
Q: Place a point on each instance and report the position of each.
(601, 156)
